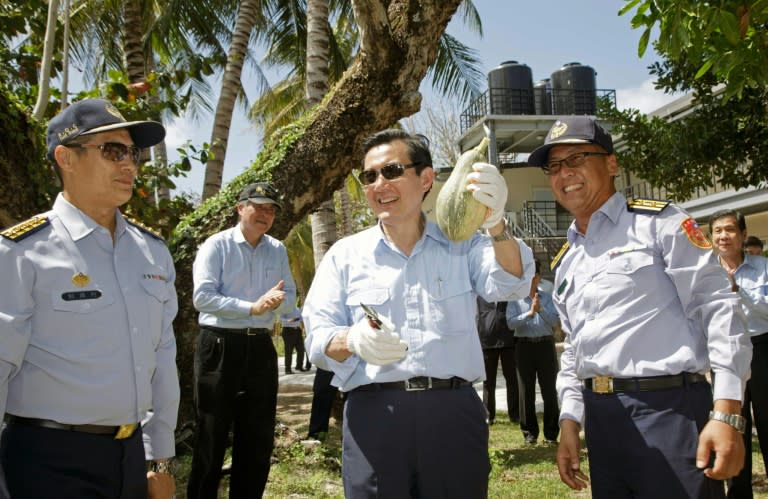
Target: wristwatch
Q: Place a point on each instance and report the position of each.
(505, 235)
(735, 420)
(161, 466)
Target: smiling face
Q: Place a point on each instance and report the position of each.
(584, 189)
(397, 201)
(255, 219)
(727, 237)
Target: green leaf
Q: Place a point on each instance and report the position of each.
(729, 26)
(703, 69)
(629, 5)
(642, 45)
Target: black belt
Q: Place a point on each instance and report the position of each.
(248, 331)
(760, 338)
(609, 384)
(118, 432)
(416, 384)
(533, 339)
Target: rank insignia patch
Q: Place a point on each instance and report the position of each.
(25, 228)
(695, 235)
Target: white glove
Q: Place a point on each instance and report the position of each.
(376, 346)
(488, 187)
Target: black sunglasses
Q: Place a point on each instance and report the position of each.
(573, 161)
(113, 151)
(389, 172)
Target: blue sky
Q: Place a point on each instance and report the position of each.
(543, 35)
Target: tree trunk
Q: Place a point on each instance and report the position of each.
(310, 159)
(45, 68)
(323, 221)
(230, 87)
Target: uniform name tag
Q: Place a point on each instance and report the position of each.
(81, 295)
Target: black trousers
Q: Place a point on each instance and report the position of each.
(537, 360)
(323, 395)
(642, 445)
(235, 388)
(492, 356)
(292, 340)
(425, 444)
(755, 404)
(43, 463)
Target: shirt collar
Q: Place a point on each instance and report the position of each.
(612, 209)
(78, 223)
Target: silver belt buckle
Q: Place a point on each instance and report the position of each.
(418, 384)
(250, 331)
(602, 384)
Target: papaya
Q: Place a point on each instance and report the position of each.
(458, 213)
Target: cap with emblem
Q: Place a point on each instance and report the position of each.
(260, 193)
(91, 116)
(571, 130)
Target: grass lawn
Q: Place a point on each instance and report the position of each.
(518, 470)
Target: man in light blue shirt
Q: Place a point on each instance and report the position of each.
(242, 285)
(87, 351)
(748, 275)
(413, 424)
(533, 319)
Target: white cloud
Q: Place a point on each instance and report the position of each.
(645, 98)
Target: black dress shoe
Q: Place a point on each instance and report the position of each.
(303, 369)
(288, 371)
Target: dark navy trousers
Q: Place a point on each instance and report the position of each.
(430, 444)
(643, 444)
(43, 463)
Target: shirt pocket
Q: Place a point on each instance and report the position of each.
(377, 298)
(156, 294)
(449, 304)
(628, 263)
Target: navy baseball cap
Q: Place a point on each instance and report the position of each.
(91, 116)
(260, 193)
(571, 130)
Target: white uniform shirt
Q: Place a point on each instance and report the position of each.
(638, 295)
(102, 352)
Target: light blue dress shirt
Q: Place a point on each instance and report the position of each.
(291, 319)
(538, 325)
(229, 275)
(101, 353)
(752, 278)
(429, 296)
(637, 297)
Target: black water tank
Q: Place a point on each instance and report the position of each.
(542, 94)
(574, 89)
(510, 88)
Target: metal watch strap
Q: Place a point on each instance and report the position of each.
(161, 466)
(505, 235)
(737, 421)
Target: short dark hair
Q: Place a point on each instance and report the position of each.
(417, 144)
(740, 221)
(754, 241)
(537, 266)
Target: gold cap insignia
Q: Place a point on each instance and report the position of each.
(558, 129)
(113, 111)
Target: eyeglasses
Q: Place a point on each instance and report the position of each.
(389, 172)
(267, 209)
(113, 151)
(573, 161)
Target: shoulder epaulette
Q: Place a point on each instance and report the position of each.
(25, 228)
(556, 260)
(647, 206)
(145, 229)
